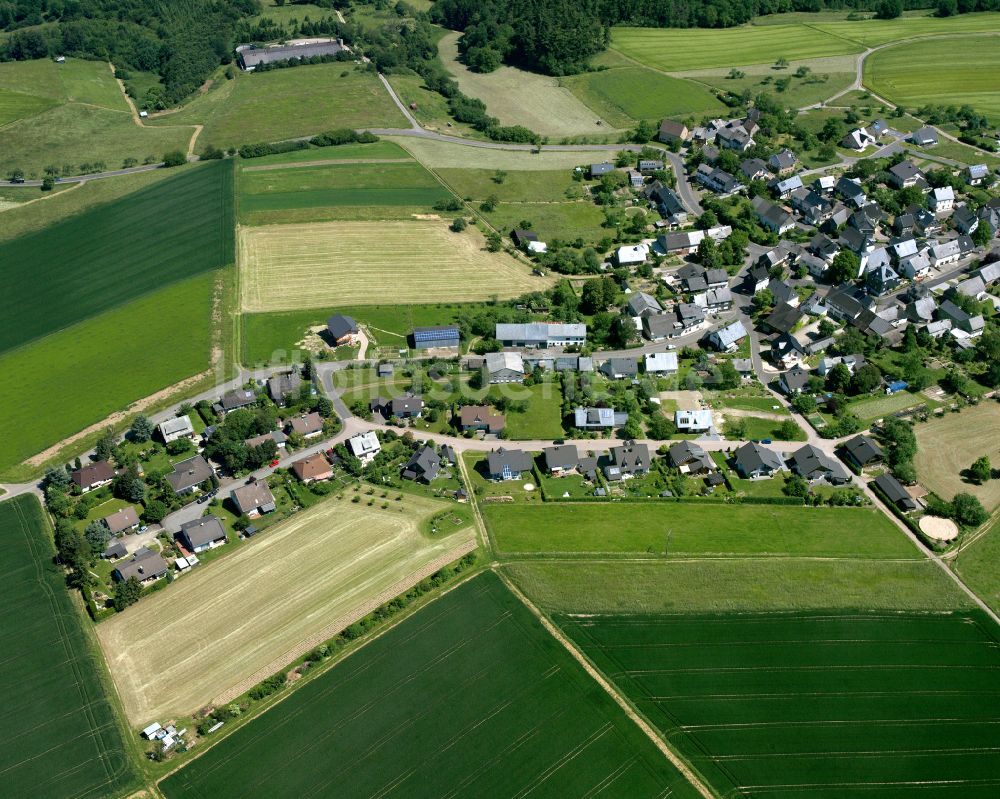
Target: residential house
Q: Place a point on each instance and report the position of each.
(308, 425)
(785, 187)
(824, 184)
(647, 165)
(862, 450)
(757, 277)
(727, 339)
(124, 520)
(894, 491)
(773, 217)
(755, 462)
(904, 174)
(783, 318)
(522, 238)
(116, 549)
(343, 330)
(627, 460)
(814, 207)
(903, 248)
(971, 325)
(686, 242)
(283, 387)
(632, 254)
(715, 300)
(735, 137)
(436, 337)
(718, 180)
(976, 174)
(782, 163)
(693, 421)
(814, 265)
(312, 468)
(643, 304)
(850, 191)
(668, 203)
(560, 460)
(598, 418)
(881, 279)
(619, 368)
(844, 303)
(945, 253)
(990, 212)
(635, 179)
(858, 139)
(661, 363)
(541, 334)
(596, 170)
(990, 273)
(794, 380)
(277, 436)
(754, 169)
(942, 199)
(671, 131)
(173, 429)
(924, 137)
(965, 220)
(970, 287)
(364, 446)
(916, 267)
(505, 367)
(813, 465)
(743, 366)
(782, 292)
(776, 256)
(922, 309)
(689, 458)
(93, 475)
(507, 464)
(145, 565)
(480, 417)
(199, 535)
(189, 474)
(423, 466)
(253, 499)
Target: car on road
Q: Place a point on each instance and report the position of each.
(274, 463)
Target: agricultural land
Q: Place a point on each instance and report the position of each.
(412, 261)
(175, 652)
(947, 446)
(60, 736)
(522, 717)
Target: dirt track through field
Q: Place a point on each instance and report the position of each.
(226, 622)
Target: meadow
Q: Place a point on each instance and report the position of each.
(540, 186)
(695, 530)
(59, 736)
(826, 77)
(434, 154)
(58, 385)
(947, 445)
(943, 71)
(624, 96)
(345, 263)
(469, 697)
(566, 220)
(542, 419)
(976, 564)
(517, 97)
(814, 704)
(105, 257)
(69, 114)
(286, 103)
(178, 649)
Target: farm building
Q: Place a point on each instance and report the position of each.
(437, 337)
(173, 429)
(894, 492)
(201, 534)
(504, 367)
(541, 334)
(250, 56)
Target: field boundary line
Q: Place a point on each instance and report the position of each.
(327, 162)
(343, 622)
(596, 675)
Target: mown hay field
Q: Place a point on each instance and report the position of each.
(516, 97)
(178, 649)
(690, 529)
(285, 267)
(58, 736)
(873, 32)
(113, 253)
(814, 704)
(947, 445)
(469, 697)
(951, 71)
(434, 154)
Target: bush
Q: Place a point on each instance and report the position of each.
(174, 158)
(269, 686)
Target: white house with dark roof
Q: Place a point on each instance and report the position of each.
(202, 534)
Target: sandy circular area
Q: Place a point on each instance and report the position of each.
(939, 529)
(529, 486)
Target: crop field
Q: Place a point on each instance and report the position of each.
(551, 111)
(69, 114)
(469, 697)
(287, 103)
(103, 364)
(948, 71)
(689, 530)
(948, 445)
(316, 191)
(434, 154)
(623, 96)
(178, 649)
(337, 153)
(815, 704)
(345, 263)
(114, 253)
(726, 585)
(58, 735)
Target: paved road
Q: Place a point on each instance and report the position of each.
(687, 194)
(113, 173)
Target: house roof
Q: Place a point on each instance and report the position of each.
(481, 415)
(563, 456)
(189, 473)
(641, 302)
(685, 452)
(863, 449)
(122, 519)
(205, 530)
(237, 398)
(143, 565)
(598, 417)
(252, 496)
(730, 334)
(620, 366)
(515, 460)
(276, 436)
(424, 463)
(631, 457)
(283, 385)
(312, 467)
(363, 444)
(498, 361)
(784, 317)
(252, 55)
(895, 491)
(179, 425)
(403, 405)
(752, 457)
(796, 378)
(812, 463)
(905, 170)
(670, 128)
(340, 325)
(93, 473)
(661, 361)
(307, 423)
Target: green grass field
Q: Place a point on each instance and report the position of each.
(60, 384)
(696, 530)
(543, 417)
(69, 114)
(101, 259)
(567, 221)
(977, 566)
(468, 697)
(59, 734)
(951, 71)
(947, 446)
(340, 152)
(517, 186)
(873, 32)
(814, 704)
(623, 96)
(821, 83)
(709, 585)
(287, 103)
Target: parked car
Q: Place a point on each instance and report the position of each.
(274, 463)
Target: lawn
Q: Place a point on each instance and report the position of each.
(304, 193)
(678, 49)
(728, 585)
(286, 267)
(468, 697)
(543, 417)
(551, 111)
(70, 114)
(286, 103)
(814, 704)
(539, 186)
(101, 259)
(695, 530)
(871, 408)
(99, 366)
(977, 566)
(947, 445)
(950, 71)
(758, 427)
(178, 649)
(956, 151)
(59, 736)
(566, 221)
